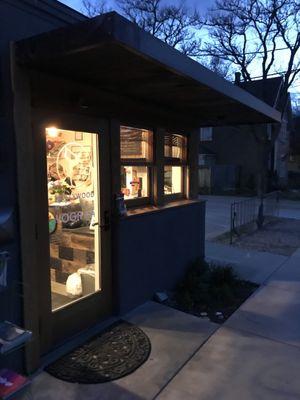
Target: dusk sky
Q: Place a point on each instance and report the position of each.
(200, 4)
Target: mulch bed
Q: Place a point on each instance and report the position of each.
(244, 291)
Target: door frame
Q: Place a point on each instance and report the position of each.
(60, 325)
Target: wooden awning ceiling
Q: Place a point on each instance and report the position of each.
(135, 70)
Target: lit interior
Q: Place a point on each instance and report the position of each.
(172, 180)
(136, 144)
(175, 146)
(134, 182)
(73, 200)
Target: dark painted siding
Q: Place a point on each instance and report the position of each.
(18, 19)
(154, 251)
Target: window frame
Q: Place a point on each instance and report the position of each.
(134, 162)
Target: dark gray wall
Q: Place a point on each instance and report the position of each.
(18, 19)
(238, 146)
(154, 251)
(225, 178)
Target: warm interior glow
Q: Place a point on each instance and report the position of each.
(52, 131)
(73, 214)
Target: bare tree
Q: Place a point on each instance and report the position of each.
(218, 66)
(176, 25)
(248, 32)
(257, 34)
(91, 8)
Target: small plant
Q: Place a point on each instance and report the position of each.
(211, 288)
(59, 187)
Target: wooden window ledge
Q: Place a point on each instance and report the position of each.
(137, 211)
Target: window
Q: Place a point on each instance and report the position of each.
(173, 179)
(136, 161)
(136, 144)
(134, 181)
(175, 147)
(175, 151)
(206, 134)
(73, 212)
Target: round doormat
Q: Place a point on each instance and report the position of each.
(115, 353)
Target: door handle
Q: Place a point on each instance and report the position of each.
(106, 220)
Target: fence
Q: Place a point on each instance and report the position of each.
(252, 210)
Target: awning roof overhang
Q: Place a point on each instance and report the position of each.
(114, 55)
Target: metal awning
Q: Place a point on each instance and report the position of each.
(113, 55)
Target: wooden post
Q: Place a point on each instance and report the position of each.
(193, 157)
(158, 170)
(27, 211)
(115, 160)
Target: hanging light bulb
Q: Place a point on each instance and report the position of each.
(52, 131)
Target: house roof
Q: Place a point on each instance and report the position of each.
(52, 7)
(267, 90)
(116, 56)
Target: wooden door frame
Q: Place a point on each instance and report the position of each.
(26, 121)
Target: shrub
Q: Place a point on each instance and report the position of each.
(207, 285)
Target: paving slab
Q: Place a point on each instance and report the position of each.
(289, 209)
(250, 265)
(270, 312)
(175, 336)
(235, 365)
(288, 276)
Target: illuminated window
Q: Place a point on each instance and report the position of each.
(134, 182)
(175, 147)
(136, 144)
(136, 161)
(175, 151)
(173, 179)
(73, 214)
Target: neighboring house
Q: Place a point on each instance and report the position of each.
(245, 158)
(294, 156)
(93, 112)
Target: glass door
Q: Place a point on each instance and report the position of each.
(73, 201)
(73, 250)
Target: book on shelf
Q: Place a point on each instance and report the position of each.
(12, 336)
(11, 382)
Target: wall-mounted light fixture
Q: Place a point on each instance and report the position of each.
(52, 131)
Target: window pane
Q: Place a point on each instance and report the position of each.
(175, 147)
(134, 182)
(136, 144)
(73, 201)
(206, 134)
(173, 180)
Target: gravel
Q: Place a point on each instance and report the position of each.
(279, 236)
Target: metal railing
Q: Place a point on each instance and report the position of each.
(252, 210)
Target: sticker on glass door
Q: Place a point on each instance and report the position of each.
(73, 214)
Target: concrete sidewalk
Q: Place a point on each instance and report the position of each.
(250, 265)
(256, 353)
(175, 337)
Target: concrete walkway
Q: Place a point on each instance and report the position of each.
(256, 353)
(175, 337)
(250, 265)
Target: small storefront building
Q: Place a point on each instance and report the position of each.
(102, 112)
